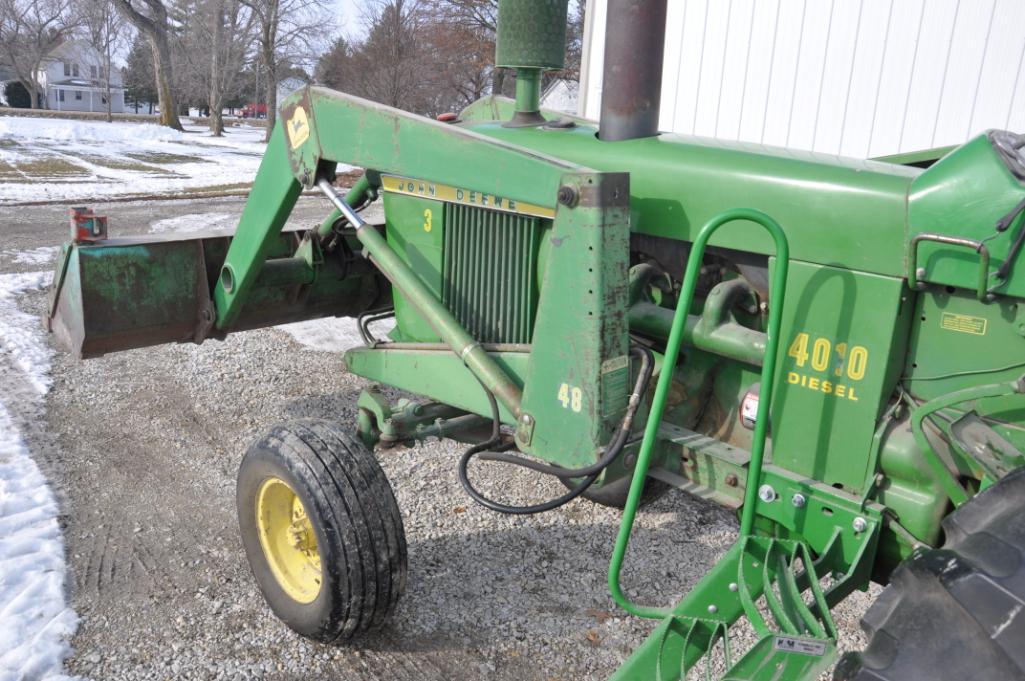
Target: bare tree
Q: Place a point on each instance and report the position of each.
(29, 31)
(480, 19)
(231, 32)
(108, 33)
(287, 31)
(150, 17)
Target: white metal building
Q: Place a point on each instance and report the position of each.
(860, 78)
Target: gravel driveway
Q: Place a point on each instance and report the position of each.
(142, 448)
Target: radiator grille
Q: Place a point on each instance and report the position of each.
(490, 280)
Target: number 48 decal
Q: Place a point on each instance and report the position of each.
(571, 397)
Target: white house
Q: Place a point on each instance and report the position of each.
(74, 79)
(862, 78)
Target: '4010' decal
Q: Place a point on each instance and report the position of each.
(827, 367)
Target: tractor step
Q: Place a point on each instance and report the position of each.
(772, 583)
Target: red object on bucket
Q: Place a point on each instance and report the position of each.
(448, 117)
(86, 226)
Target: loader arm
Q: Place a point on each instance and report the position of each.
(319, 128)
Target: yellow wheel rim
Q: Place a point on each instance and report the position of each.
(288, 540)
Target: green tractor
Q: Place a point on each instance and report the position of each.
(831, 347)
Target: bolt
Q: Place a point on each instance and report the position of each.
(767, 494)
(567, 196)
(733, 586)
(859, 525)
(731, 480)
(798, 500)
(629, 460)
(526, 419)
(712, 609)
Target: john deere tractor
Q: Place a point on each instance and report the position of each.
(834, 348)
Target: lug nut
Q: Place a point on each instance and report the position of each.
(798, 500)
(767, 494)
(731, 480)
(859, 525)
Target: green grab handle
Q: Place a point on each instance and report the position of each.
(658, 403)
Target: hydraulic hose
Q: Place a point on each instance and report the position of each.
(588, 473)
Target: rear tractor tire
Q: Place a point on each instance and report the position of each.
(321, 529)
(957, 612)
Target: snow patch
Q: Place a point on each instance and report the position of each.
(21, 338)
(35, 622)
(45, 255)
(999, 629)
(66, 130)
(332, 334)
(195, 222)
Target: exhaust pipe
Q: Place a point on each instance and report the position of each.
(635, 32)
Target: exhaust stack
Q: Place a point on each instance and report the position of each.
(635, 32)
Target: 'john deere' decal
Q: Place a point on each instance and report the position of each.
(298, 127)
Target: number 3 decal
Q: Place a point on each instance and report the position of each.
(427, 220)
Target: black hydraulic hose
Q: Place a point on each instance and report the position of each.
(364, 321)
(589, 473)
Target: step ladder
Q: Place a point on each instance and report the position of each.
(770, 582)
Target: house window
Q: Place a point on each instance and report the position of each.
(103, 99)
(60, 95)
(103, 73)
(74, 70)
(78, 95)
(67, 68)
(92, 71)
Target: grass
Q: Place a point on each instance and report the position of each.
(159, 157)
(40, 169)
(116, 163)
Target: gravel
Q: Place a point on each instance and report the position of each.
(143, 447)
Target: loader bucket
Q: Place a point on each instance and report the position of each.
(126, 293)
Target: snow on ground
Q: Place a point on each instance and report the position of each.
(48, 159)
(194, 222)
(332, 334)
(44, 255)
(35, 621)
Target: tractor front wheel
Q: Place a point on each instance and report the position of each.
(321, 529)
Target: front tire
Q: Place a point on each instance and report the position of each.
(321, 529)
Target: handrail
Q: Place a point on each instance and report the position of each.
(658, 403)
(979, 247)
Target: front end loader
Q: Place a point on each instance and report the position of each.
(834, 348)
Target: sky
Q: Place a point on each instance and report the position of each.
(349, 17)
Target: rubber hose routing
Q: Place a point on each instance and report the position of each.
(588, 473)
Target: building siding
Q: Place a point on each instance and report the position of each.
(853, 77)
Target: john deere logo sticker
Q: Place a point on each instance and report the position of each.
(298, 127)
